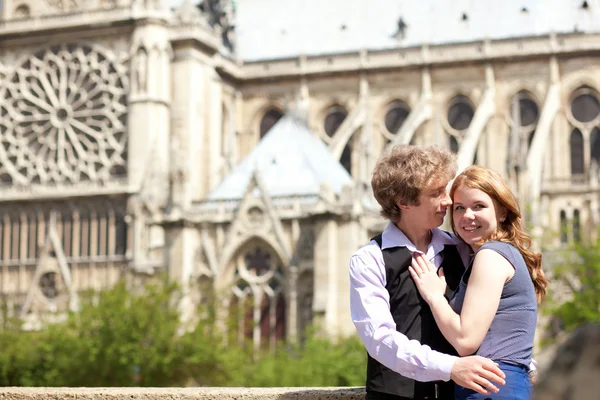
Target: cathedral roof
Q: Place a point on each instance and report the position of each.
(271, 29)
(290, 160)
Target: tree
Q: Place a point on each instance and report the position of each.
(135, 337)
(579, 273)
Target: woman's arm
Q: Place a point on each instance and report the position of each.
(466, 331)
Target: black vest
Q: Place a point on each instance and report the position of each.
(414, 319)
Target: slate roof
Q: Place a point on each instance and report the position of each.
(290, 160)
(271, 29)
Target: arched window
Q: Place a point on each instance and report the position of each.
(576, 226)
(258, 304)
(564, 237)
(271, 117)
(120, 232)
(576, 147)
(585, 119)
(453, 144)
(585, 106)
(66, 229)
(460, 113)
(524, 115)
(396, 116)
(346, 158)
(527, 112)
(595, 146)
(334, 118)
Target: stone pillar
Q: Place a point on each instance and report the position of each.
(335, 243)
(292, 320)
(214, 128)
(322, 262)
(148, 123)
(496, 144)
(189, 123)
(349, 240)
(182, 242)
(149, 109)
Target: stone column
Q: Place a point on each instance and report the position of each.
(149, 109)
(182, 242)
(148, 123)
(189, 123)
(214, 128)
(349, 239)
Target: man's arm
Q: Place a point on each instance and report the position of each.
(369, 305)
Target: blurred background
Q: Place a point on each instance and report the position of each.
(182, 182)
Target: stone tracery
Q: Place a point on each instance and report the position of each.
(63, 118)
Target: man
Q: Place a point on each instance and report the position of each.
(408, 358)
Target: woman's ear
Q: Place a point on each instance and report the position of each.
(502, 216)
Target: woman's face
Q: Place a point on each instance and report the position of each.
(475, 215)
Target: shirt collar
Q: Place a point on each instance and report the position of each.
(392, 236)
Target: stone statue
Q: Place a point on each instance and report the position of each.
(139, 71)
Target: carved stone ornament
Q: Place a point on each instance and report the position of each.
(63, 115)
(64, 5)
(256, 217)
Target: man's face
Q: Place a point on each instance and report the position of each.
(433, 204)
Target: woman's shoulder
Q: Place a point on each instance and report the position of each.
(498, 245)
(508, 250)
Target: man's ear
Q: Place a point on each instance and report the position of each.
(402, 206)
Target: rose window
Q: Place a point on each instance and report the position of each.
(63, 116)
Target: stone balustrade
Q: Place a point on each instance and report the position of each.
(181, 394)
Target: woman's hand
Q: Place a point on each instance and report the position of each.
(425, 275)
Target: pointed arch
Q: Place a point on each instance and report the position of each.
(258, 297)
(576, 151)
(227, 259)
(335, 115)
(270, 117)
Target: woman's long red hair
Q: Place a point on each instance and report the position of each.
(511, 229)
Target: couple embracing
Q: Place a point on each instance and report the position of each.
(446, 315)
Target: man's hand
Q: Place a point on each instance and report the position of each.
(477, 373)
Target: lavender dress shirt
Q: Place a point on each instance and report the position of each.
(370, 308)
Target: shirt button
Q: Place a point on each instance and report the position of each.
(413, 374)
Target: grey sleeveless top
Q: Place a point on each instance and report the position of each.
(510, 337)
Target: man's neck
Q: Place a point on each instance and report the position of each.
(421, 238)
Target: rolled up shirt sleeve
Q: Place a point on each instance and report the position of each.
(370, 309)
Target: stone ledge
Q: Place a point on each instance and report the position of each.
(18, 393)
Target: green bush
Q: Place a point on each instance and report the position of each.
(120, 338)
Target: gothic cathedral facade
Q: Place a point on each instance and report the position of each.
(141, 136)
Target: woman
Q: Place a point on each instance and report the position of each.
(494, 310)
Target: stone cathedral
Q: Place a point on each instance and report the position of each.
(230, 144)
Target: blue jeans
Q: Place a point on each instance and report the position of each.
(517, 387)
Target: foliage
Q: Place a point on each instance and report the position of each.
(580, 274)
(125, 338)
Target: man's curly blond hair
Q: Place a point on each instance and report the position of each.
(402, 174)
